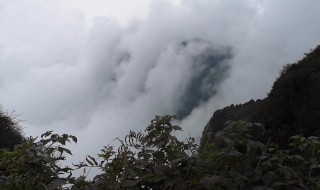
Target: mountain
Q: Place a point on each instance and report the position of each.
(292, 107)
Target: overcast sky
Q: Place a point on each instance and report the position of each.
(97, 69)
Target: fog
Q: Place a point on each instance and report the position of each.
(97, 76)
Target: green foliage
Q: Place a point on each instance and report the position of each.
(294, 99)
(231, 159)
(248, 164)
(156, 159)
(34, 164)
(292, 107)
(10, 131)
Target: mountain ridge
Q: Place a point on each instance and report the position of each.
(291, 107)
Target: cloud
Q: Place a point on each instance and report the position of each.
(188, 59)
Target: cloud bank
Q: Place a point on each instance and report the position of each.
(186, 59)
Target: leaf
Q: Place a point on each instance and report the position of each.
(50, 151)
(280, 184)
(128, 183)
(74, 139)
(256, 144)
(61, 149)
(66, 169)
(56, 183)
(91, 163)
(99, 176)
(61, 140)
(161, 170)
(42, 187)
(176, 161)
(94, 160)
(210, 181)
(176, 128)
(45, 141)
(315, 166)
(101, 163)
(48, 133)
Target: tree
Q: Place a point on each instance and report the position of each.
(10, 131)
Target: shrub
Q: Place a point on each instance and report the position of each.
(10, 131)
(34, 164)
(155, 159)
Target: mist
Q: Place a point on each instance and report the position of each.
(97, 78)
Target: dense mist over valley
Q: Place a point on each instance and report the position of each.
(96, 77)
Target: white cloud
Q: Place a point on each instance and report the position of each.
(99, 81)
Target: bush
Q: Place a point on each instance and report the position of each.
(34, 164)
(10, 131)
(156, 159)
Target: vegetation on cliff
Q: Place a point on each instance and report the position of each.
(292, 106)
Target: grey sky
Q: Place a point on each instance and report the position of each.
(99, 69)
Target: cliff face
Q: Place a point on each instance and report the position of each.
(292, 106)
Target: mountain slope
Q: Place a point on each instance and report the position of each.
(292, 106)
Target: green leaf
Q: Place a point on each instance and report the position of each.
(61, 140)
(90, 162)
(94, 160)
(74, 139)
(61, 150)
(48, 133)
